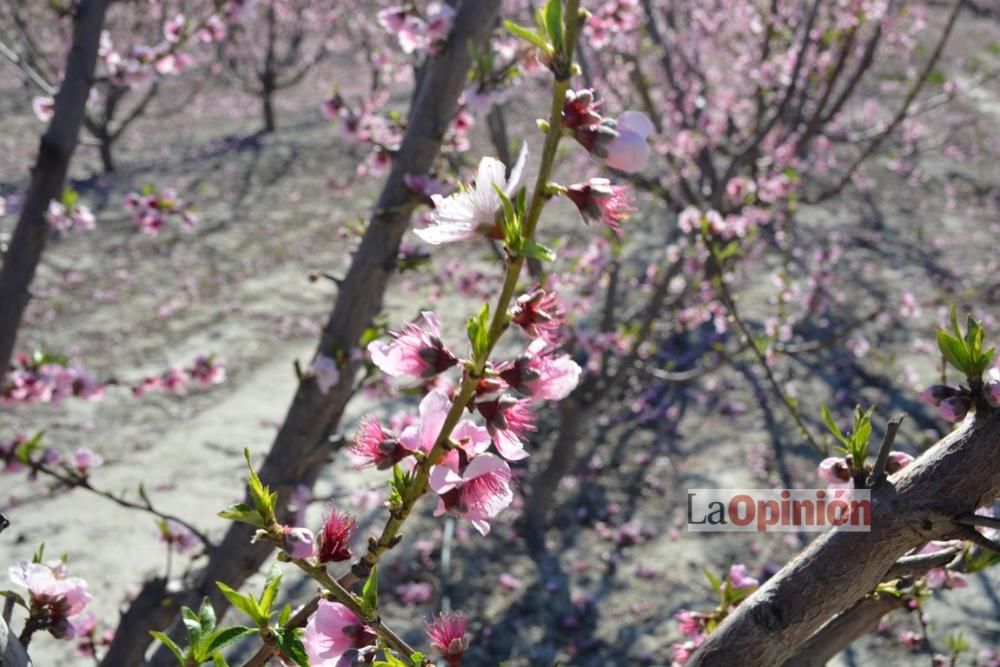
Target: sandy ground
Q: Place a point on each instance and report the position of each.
(128, 305)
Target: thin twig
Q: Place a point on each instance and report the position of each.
(878, 472)
(919, 563)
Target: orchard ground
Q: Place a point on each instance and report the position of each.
(273, 210)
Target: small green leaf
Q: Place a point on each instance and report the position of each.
(832, 426)
(226, 636)
(286, 613)
(206, 616)
(270, 590)
(244, 514)
(219, 661)
(245, 603)
(533, 248)
(192, 625)
(953, 350)
(527, 35)
(369, 594)
(290, 644)
(169, 643)
(554, 23)
(714, 582)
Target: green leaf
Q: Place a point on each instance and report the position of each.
(245, 603)
(290, 644)
(206, 616)
(70, 197)
(286, 613)
(244, 514)
(538, 251)
(219, 661)
(527, 35)
(714, 582)
(192, 624)
(554, 23)
(169, 643)
(832, 426)
(369, 594)
(953, 350)
(270, 590)
(226, 636)
(479, 332)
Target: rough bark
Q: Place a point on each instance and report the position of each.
(918, 504)
(302, 444)
(843, 631)
(48, 176)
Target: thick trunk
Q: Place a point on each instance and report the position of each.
(48, 176)
(302, 445)
(958, 475)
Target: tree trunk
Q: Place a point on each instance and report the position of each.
(918, 504)
(48, 176)
(302, 443)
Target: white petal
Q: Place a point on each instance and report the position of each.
(515, 173)
(637, 122)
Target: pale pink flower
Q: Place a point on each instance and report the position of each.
(44, 108)
(690, 623)
(507, 420)
(415, 351)
(326, 373)
(542, 372)
(174, 380)
(598, 200)
(911, 640)
(478, 491)
(439, 19)
(392, 19)
(334, 634)
(85, 460)
(738, 577)
(447, 635)
(52, 594)
(414, 593)
(473, 211)
(177, 536)
(621, 145)
(174, 28)
(420, 437)
(207, 370)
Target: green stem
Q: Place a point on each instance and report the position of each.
(418, 487)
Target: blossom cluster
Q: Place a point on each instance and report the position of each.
(72, 217)
(204, 371)
(151, 209)
(417, 32)
(80, 462)
(44, 378)
(954, 403)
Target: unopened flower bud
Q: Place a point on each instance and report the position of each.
(299, 542)
(897, 461)
(936, 393)
(954, 409)
(834, 470)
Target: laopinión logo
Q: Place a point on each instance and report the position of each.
(778, 510)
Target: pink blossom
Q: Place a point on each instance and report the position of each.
(53, 595)
(174, 29)
(299, 542)
(629, 151)
(539, 314)
(85, 459)
(447, 635)
(415, 351)
(690, 623)
(420, 437)
(213, 30)
(738, 577)
(509, 582)
(177, 536)
(375, 446)
(683, 652)
(174, 380)
(542, 373)
(44, 108)
(335, 540)
(911, 640)
(477, 491)
(326, 372)
(598, 200)
(414, 593)
(334, 634)
(507, 420)
(472, 211)
(580, 110)
(207, 370)
(439, 19)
